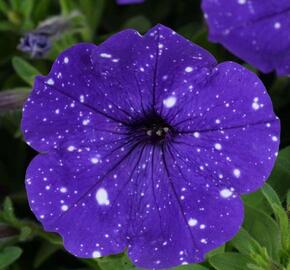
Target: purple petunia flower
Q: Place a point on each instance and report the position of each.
(126, 2)
(256, 31)
(146, 143)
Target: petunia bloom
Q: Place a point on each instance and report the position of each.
(146, 145)
(126, 2)
(256, 31)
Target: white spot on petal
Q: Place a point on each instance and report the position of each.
(82, 98)
(102, 197)
(237, 173)
(64, 207)
(277, 25)
(96, 254)
(192, 222)
(226, 193)
(71, 148)
(95, 160)
(188, 69)
(196, 134)
(169, 102)
(218, 146)
(86, 122)
(106, 55)
(63, 189)
(255, 106)
(50, 81)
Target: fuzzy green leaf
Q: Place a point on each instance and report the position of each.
(25, 70)
(264, 230)
(140, 23)
(120, 262)
(230, 261)
(270, 194)
(280, 176)
(9, 255)
(191, 267)
(45, 252)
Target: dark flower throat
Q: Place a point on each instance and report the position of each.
(151, 129)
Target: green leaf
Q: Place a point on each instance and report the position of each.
(15, 4)
(4, 8)
(25, 70)
(191, 267)
(25, 233)
(280, 176)
(45, 251)
(270, 194)
(248, 246)
(278, 92)
(283, 221)
(288, 201)
(10, 121)
(139, 23)
(257, 200)
(9, 255)
(230, 261)
(93, 11)
(41, 9)
(120, 262)
(218, 250)
(8, 211)
(66, 6)
(264, 230)
(26, 7)
(245, 243)
(6, 26)
(280, 214)
(66, 41)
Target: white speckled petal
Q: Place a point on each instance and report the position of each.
(228, 131)
(183, 220)
(256, 31)
(90, 204)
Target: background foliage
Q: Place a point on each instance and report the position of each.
(264, 241)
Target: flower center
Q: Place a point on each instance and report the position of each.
(151, 129)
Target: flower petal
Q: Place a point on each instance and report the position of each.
(256, 31)
(105, 86)
(182, 221)
(88, 197)
(232, 133)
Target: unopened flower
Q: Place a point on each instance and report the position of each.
(38, 42)
(256, 31)
(13, 99)
(146, 144)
